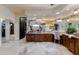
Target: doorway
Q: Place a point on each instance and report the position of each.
(22, 27)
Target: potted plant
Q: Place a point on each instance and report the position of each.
(71, 29)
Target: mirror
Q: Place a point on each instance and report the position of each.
(3, 28)
(36, 27)
(11, 28)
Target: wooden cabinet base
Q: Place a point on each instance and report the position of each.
(39, 37)
(71, 43)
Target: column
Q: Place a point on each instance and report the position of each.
(0, 31)
(28, 24)
(16, 28)
(7, 30)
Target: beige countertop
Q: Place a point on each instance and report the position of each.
(71, 35)
(45, 32)
(40, 32)
(61, 33)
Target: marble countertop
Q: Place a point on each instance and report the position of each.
(39, 33)
(71, 35)
(61, 33)
(48, 32)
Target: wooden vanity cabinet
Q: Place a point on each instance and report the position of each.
(76, 45)
(39, 37)
(65, 40)
(68, 42)
(72, 43)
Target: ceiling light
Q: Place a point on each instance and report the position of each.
(68, 20)
(57, 12)
(75, 12)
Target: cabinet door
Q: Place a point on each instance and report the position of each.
(37, 38)
(77, 46)
(47, 37)
(30, 37)
(65, 41)
(72, 45)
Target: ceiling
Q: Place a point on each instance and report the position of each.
(55, 10)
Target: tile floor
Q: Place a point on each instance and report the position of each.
(21, 47)
(44, 48)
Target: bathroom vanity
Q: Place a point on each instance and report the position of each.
(71, 42)
(39, 37)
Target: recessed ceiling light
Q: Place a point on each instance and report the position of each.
(57, 12)
(75, 12)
